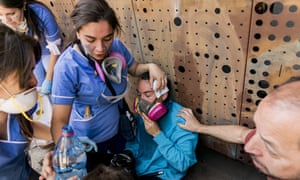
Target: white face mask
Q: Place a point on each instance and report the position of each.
(19, 103)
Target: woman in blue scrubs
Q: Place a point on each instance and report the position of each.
(18, 101)
(35, 19)
(82, 92)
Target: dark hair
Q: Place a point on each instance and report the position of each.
(103, 172)
(87, 11)
(146, 76)
(34, 22)
(16, 52)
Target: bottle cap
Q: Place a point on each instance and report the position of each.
(67, 131)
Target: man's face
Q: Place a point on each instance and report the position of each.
(96, 38)
(275, 146)
(145, 91)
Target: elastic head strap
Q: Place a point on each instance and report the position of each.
(5, 90)
(23, 112)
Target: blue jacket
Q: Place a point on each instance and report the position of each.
(171, 152)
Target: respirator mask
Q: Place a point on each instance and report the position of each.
(112, 68)
(154, 110)
(22, 102)
(19, 103)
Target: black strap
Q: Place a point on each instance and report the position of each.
(89, 58)
(92, 63)
(113, 92)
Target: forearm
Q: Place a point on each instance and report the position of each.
(60, 118)
(229, 133)
(56, 130)
(50, 68)
(41, 131)
(138, 68)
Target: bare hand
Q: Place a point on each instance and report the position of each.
(157, 74)
(47, 170)
(151, 127)
(191, 123)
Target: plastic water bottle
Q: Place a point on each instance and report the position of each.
(69, 158)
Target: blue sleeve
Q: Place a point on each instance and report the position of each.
(118, 46)
(180, 153)
(52, 30)
(64, 78)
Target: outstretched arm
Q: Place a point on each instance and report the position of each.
(229, 133)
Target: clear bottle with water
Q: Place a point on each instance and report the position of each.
(69, 158)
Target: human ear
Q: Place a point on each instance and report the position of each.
(77, 35)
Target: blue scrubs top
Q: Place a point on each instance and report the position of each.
(13, 159)
(75, 83)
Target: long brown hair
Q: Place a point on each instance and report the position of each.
(16, 57)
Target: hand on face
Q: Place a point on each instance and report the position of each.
(151, 127)
(191, 123)
(157, 74)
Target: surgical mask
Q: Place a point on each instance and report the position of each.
(154, 110)
(20, 103)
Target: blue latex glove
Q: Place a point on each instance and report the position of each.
(89, 144)
(46, 87)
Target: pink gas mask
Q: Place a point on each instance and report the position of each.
(154, 110)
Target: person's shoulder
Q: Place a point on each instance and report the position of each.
(117, 45)
(174, 105)
(68, 54)
(38, 7)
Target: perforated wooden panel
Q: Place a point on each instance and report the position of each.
(202, 45)
(273, 55)
(222, 56)
(62, 9)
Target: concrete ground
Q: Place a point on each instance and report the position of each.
(215, 166)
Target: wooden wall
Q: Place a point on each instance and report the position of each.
(222, 56)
